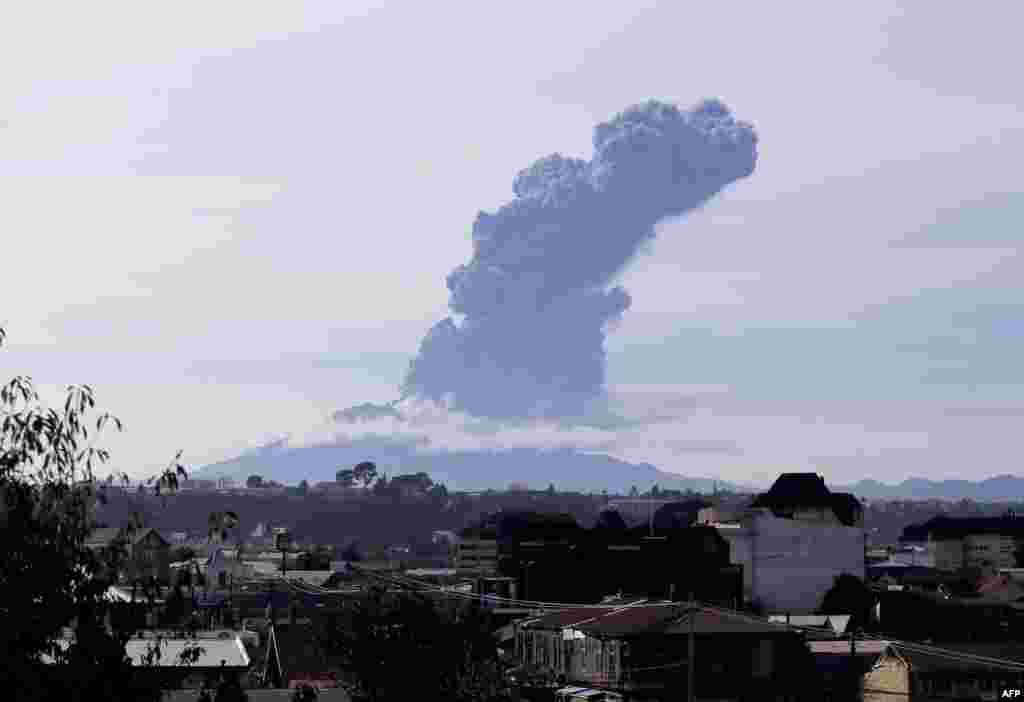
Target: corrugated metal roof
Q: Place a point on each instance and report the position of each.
(710, 622)
(231, 651)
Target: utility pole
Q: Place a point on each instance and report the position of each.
(854, 675)
(689, 652)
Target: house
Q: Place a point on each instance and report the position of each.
(917, 614)
(149, 553)
(793, 541)
(102, 537)
(956, 671)
(973, 542)
(868, 670)
(642, 650)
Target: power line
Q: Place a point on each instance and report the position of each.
(949, 654)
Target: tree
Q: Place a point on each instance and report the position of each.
(448, 655)
(254, 481)
(634, 492)
(346, 477)
(49, 578)
(182, 554)
(551, 489)
(174, 608)
(849, 595)
(220, 523)
(365, 473)
(655, 490)
(439, 491)
(412, 484)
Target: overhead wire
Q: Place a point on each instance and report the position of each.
(421, 586)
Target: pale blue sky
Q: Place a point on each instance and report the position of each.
(235, 218)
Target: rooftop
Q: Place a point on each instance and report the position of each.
(230, 651)
(943, 527)
(808, 490)
(1011, 653)
(863, 648)
(651, 618)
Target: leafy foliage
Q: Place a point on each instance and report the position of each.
(51, 583)
(849, 595)
(447, 654)
(220, 523)
(365, 473)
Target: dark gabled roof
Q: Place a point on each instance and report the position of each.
(808, 490)
(943, 527)
(710, 622)
(143, 533)
(103, 536)
(638, 620)
(796, 490)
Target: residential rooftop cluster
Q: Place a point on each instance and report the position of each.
(775, 594)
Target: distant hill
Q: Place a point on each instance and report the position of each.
(995, 489)
(568, 470)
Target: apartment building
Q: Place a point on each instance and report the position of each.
(793, 541)
(974, 542)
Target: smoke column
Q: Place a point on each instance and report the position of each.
(535, 301)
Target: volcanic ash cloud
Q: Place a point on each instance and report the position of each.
(531, 309)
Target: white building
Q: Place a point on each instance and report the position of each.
(789, 565)
(791, 557)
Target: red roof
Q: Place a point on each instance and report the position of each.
(867, 647)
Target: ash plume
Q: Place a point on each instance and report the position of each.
(531, 309)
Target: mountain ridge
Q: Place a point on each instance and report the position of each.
(996, 488)
(567, 469)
